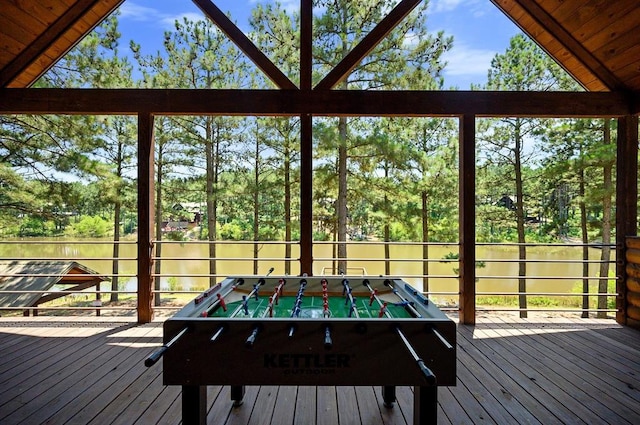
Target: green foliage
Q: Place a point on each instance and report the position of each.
(90, 227)
(36, 227)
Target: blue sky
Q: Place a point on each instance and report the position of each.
(480, 30)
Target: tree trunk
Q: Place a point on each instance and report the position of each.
(211, 147)
(287, 209)
(342, 195)
(522, 250)
(425, 240)
(256, 200)
(585, 239)
(605, 254)
(115, 265)
(158, 250)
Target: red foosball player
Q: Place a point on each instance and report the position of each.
(222, 303)
(373, 297)
(383, 310)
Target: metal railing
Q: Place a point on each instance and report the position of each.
(184, 272)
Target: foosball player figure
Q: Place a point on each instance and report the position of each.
(223, 304)
(245, 305)
(255, 291)
(373, 297)
(383, 309)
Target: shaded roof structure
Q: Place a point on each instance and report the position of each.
(596, 41)
(41, 276)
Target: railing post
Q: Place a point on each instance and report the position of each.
(626, 207)
(146, 213)
(467, 232)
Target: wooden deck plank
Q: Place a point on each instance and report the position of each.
(284, 410)
(347, 406)
(567, 373)
(264, 406)
(590, 371)
(510, 372)
(512, 383)
(546, 387)
(306, 405)
(327, 406)
(53, 384)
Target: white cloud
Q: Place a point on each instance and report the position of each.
(169, 20)
(475, 7)
(136, 12)
(467, 61)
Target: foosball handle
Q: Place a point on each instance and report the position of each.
(252, 338)
(155, 356)
(428, 374)
(328, 342)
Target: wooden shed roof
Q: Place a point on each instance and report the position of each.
(596, 41)
(41, 276)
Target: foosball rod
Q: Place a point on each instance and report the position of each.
(155, 356)
(230, 290)
(261, 282)
(347, 289)
(328, 341)
(411, 308)
(428, 374)
(295, 312)
(254, 334)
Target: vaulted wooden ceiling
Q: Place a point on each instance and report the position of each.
(596, 41)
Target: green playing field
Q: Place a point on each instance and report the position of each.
(311, 307)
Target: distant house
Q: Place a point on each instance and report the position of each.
(507, 203)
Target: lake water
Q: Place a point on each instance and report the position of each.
(235, 259)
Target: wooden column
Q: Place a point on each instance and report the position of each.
(146, 212)
(626, 203)
(306, 142)
(467, 217)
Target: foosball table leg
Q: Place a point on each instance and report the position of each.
(425, 405)
(389, 396)
(237, 395)
(194, 405)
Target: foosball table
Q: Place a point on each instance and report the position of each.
(325, 330)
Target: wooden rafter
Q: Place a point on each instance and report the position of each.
(247, 46)
(47, 39)
(553, 28)
(368, 43)
(315, 102)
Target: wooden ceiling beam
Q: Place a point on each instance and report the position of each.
(46, 40)
(557, 31)
(245, 44)
(323, 103)
(367, 44)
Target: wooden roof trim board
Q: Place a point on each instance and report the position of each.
(542, 22)
(236, 102)
(367, 44)
(245, 44)
(54, 37)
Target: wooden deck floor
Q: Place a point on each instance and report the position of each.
(510, 371)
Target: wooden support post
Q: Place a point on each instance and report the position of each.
(306, 141)
(467, 181)
(146, 212)
(306, 195)
(626, 207)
